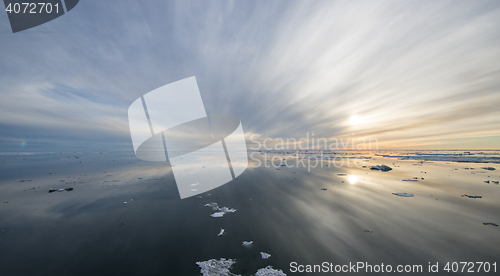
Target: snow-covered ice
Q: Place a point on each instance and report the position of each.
(215, 267)
(269, 271)
(265, 255)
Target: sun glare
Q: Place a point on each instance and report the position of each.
(354, 120)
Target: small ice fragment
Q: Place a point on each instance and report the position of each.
(265, 255)
(194, 190)
(61, 190)
(216, 207)
(124, 202)
(247, 243)
(472, 196)
(195, 184)
(221, 232)
(131, 200)
(403, 194)
(269, 271)
(227, 210)
(217, 215)
(383, 168)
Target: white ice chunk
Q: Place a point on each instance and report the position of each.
(221, 232)
(221, 210)
(247, 243)
(265, 255)
(403, 194)
(217, 214)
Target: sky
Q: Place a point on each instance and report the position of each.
(411, 74)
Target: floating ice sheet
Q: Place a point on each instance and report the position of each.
(383, 168)
(221, 210)
(447, 157)
(51, 190)
(220, 267)
(217, 215)
(269, 271)
(403, 194)
(265, 255)
(472, 196)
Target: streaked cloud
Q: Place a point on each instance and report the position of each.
(417, 73)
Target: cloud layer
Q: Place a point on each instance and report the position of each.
(417, 73)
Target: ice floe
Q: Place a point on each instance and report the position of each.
(446, 157)
(383, 168)
(217, 214)
(472, 196)
(51, 190)
(269, 271)
(265, 255)
(403, 194)
(215, 267)
(221, 210)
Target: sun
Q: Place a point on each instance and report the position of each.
(355, 120)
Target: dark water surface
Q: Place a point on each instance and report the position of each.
(91, 231)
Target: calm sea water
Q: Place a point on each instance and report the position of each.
(91, 231)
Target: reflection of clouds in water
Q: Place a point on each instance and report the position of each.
(337, 218)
